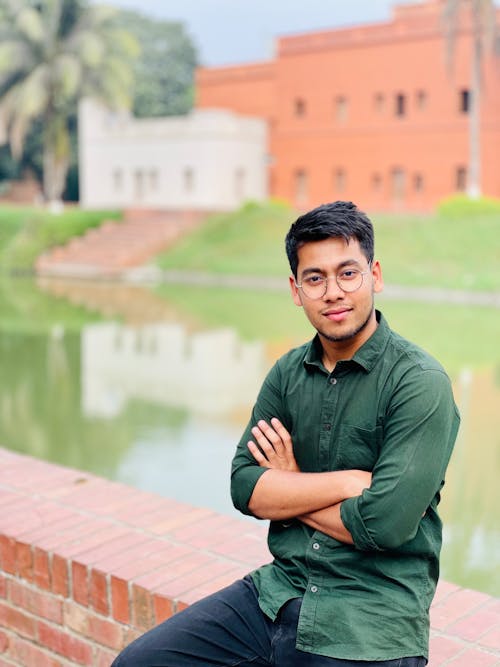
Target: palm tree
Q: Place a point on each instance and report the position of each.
(482, 15)
(52, 54)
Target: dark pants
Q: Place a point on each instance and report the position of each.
(228, 629)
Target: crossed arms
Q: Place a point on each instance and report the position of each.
(284, 492)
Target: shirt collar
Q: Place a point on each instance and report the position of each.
(366, 356)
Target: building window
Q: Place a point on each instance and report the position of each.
(421, 99)
(339, 181)
(239, 183)
(464, 100)
(461, 179)
(398, 184)
(139, 184)
(341, 109)
(418, 182)
(188, 178)
(301, 186)
(400, 109)
(153, 179)
(300, 107)
(376, 182)
(379, 102)
(117, 180)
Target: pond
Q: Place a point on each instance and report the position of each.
(153, 386)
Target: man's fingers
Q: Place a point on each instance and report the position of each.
(257, 454)
(282, 432)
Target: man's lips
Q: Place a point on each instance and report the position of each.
(337, 314)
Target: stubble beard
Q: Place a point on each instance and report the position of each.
(348, 335)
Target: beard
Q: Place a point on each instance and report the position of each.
(348, 334)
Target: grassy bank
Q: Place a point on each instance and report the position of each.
(434, 250)
(25, 232)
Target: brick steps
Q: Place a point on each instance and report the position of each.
(115, 247)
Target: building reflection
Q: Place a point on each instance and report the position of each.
(208, 373)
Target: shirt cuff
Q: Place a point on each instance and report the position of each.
(352, 520)
(242, 486)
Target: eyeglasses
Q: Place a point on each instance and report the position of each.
(316, 285)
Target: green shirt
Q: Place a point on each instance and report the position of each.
(388, 410)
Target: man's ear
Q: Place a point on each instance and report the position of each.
(295, 292)
(378, 281)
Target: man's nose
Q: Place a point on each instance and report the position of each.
(333, 291)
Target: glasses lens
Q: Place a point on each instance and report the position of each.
(350, 280)
(315, 288)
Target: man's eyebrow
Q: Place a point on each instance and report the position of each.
(340, 265)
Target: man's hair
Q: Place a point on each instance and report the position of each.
(340, 219)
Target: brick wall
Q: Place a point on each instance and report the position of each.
(86, 565)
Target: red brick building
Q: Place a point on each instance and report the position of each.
(371, 113)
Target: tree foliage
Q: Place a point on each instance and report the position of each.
(53, 53)
(164, 70)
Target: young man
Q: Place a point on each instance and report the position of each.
(345, 453)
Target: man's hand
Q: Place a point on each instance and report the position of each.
(273, 447)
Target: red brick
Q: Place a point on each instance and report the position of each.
(120, 607)
(475, 625)
(17, 620)
(38, 604)
(474, 658)
(104, 658)
(7, 554)
(162, 607)
(491, 639)
(174, 569)
(444, 588)
(41, 569)
(142, 608)
(102, 533)
(442, 649)
(28, 654)
(107, 633)
(76, 618)
(119, 545)
(80, 581)
(60, 642)
(99, 592)
(112, 562)
(4, 641)
(24, 561)
(3, 586)
(455, 606)
(59, 576)
(4, 663)
(164, 554)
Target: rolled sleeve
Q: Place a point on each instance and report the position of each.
(245, 471)
(419, 435)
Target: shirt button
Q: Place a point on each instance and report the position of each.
(314, 589)
(333, 380)
(327, 427)
(316, 546)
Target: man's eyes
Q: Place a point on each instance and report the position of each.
(314, 280)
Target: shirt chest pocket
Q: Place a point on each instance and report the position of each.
(358, 447)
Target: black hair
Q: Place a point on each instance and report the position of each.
(340, 219)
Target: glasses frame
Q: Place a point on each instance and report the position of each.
(315, 298)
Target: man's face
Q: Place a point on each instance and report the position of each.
(338, 316)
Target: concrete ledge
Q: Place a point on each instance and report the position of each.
(87, 564)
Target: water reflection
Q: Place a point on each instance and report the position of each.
(208, 373)
(160, 400)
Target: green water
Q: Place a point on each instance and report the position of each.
(153, 387)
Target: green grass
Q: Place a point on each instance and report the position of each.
(25, 232)
(415, 250)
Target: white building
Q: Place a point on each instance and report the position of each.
(208, 160)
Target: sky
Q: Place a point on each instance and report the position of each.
(236, 31)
